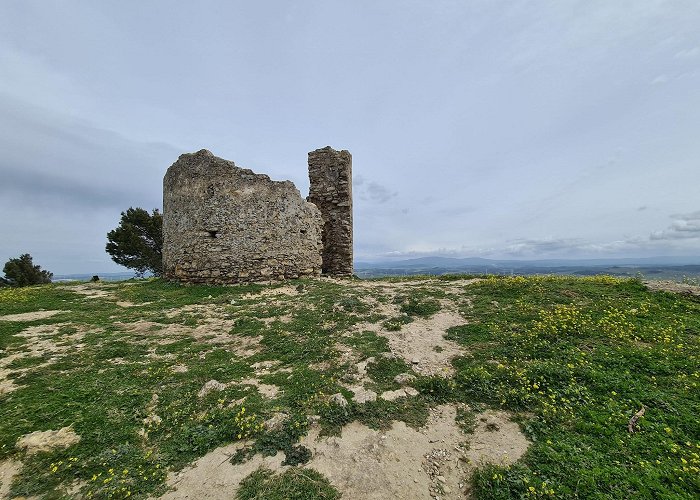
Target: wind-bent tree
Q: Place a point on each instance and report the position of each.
(137, 243)
(22, 272)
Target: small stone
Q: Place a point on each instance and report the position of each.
(212, 385)
(410, 391)
(363, 395)
(404, 378)
(392, 395)
(276, 422)
(339, 399)
(415, 361)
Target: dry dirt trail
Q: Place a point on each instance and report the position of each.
(434, 461)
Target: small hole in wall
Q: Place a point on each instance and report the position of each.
(213, 234)
(302, 231)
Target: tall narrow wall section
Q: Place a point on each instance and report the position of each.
(330, 175)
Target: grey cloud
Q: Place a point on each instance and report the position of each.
(535, 247)
(48, 190)
(685, 226)
(50, 159)
(687, 53)
(372, 191)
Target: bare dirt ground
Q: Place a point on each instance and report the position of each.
(90, 290)
(214, 327)
(44, 341)
(213, 477)
(362, 463)
(672, 286)
(422, 343)
(287, 290)
(8, 470)
(30, 316)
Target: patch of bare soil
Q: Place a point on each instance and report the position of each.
(267, 390)
(496, 440)
(42, 341)
(7, 385)
(288, 290)
(8, 470)
(90, 291)
(363, 463)
(37, 441)
(285, 318)
(422, 343)
(213, 477)
(152, 419)
(672, 286)
(45, 340)
(30, 316)
(215, 327)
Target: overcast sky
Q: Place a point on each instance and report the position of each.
(502, 129)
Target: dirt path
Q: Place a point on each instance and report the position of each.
(363, 463)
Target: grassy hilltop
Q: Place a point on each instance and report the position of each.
(496, 387)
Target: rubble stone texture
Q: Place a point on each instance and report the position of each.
(330, 173)
(225, 224)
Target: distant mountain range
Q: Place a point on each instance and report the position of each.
(657, 267)
(478, 261)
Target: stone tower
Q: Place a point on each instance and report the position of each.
(330, 174)
(225, 224)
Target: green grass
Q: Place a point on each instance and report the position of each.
(573, 358)
(582, 356)
(293, 484)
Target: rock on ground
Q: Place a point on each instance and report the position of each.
(37, 441)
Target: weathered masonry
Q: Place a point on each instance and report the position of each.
(330, 173)
(225, 224)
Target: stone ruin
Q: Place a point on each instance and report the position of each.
(225, 224)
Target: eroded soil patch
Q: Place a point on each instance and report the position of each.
(422, 343)
(47, 342)
(672, 286)
(213, 477)
(8, 470)
(364, 463)
(30, 316)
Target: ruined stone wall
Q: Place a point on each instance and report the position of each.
(330, 173)
(225, 224)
